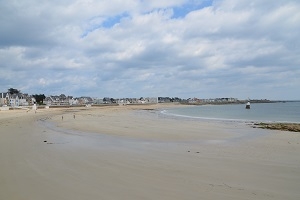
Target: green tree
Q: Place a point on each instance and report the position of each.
(112, 100)
(39, 98)
(13, 91)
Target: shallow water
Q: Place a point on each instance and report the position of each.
(259, 112)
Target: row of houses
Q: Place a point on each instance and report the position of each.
(196, 100)
(16, 100)
(19, 99)
(63, 100)
(168, 99)
(216, 100)
(141, 100)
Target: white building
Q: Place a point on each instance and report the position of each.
(4, 98)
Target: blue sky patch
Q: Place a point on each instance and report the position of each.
(182, 11)
(111, 21)
(107, 23)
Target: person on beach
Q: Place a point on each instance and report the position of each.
(34, 107)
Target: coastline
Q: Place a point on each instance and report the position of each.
(277, 119)
(130, 152)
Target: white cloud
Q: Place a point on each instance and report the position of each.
(63, 46)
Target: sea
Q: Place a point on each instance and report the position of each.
(288, 111)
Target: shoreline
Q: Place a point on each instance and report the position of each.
(132, 122)
(292, 126)
(282, 126)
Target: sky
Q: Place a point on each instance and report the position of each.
(149, 48)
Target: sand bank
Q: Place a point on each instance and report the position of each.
(133, 152)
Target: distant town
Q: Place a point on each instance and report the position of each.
(14, 98)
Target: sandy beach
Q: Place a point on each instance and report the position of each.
(135, 152)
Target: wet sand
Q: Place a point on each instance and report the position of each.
(133, 152)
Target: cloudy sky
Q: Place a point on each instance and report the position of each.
(135, 48)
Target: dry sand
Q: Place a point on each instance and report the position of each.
(126, 152)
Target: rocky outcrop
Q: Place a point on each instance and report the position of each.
(279, 126)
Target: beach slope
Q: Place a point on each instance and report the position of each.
(133, 152)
